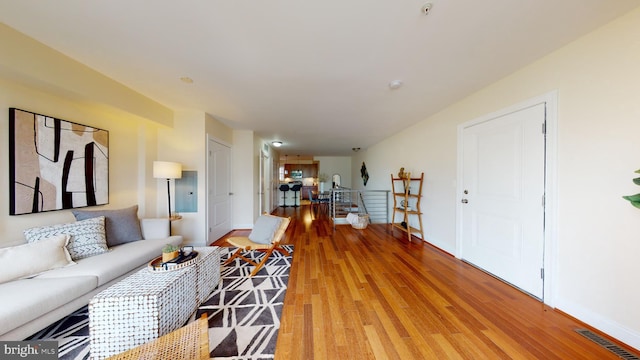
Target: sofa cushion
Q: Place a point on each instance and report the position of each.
(122, 225)
(27, 299)
(117, 262)
(33, 258)
(87, 236)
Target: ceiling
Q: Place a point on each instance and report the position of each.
(314, 75)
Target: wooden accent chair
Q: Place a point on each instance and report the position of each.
(265, 236)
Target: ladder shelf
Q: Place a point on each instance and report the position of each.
(407, 204)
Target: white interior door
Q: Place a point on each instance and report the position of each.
(503, 165)
(219, 190)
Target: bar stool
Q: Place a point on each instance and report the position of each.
(284, 188)
(295, 189)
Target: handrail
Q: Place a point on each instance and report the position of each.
(374, 203)
(364, 205)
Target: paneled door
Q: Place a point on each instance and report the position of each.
(219, 190)
(503, 189)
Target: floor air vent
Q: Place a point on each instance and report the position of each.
(616, 349)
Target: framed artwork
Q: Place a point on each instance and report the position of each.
(55, 164)
(364, 173)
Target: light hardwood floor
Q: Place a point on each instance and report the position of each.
(369, 294)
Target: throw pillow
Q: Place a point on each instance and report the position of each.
(33, 258)
(87, 236)
(264, 229)
(121, 225)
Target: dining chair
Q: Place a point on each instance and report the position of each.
(315, 201)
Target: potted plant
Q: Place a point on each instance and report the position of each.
(322, 178)
(169, 252)
(634, 199)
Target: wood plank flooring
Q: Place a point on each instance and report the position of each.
(369, 294)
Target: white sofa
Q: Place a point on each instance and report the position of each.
(28, 305)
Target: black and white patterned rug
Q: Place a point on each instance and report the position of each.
(244, 313)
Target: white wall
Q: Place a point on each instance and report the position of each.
(243, 179)
(130, 141)
(140, 131)
(335, 165)
(38, 66)
(185, 143)
(218, 130)
(37, 78)
(598, 82)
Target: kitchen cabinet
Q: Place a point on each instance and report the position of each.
(291, 171)
(308, 170)
(287, 170)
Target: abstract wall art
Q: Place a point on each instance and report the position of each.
(364, 173)
(55, 164)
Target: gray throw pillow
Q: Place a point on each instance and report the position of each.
(264, 229)
(122, 225)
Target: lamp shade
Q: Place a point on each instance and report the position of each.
(167, 170)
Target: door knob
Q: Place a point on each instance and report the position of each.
(464, 201)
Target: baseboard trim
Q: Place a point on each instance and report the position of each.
(441, 245)
(617, 331)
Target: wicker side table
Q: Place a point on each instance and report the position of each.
(140, 308)
(208, 271)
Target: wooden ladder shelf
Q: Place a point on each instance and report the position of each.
(404, 204)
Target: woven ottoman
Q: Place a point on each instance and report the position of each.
(208, 271)
(140, 308)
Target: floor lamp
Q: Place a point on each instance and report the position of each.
(167, 170)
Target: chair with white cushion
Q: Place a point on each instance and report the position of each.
(265, 236)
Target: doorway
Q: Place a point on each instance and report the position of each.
(218, 190)
(505, 171)
(265, 183)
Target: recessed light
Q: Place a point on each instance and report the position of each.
(277, 143)
(186, 80)
(395, 84)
